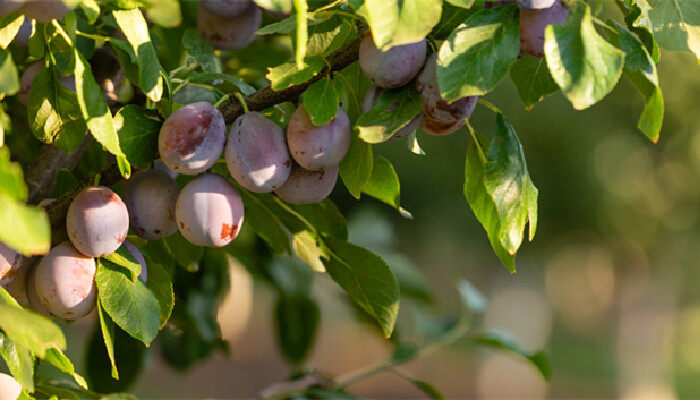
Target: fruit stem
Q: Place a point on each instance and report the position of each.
(482, 156)
(222, 100)
(96, 182)
(489, 105)
(242, 101)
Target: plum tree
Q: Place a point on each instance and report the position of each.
(27, 79)
(10, 389)
(372, 95)
(535, 4)
(134, 251)
(65, 282)
(18, 287)
(10, 264)
(32, 295)
(97, 221)
(393, 67)
(209, 211)
(150, 197)
(307, 187)
(226, 8)
(192, 138)
(533, 23)
(318, 147)
(45, 10)
(440, 117)
(229, 33)
(256, 153)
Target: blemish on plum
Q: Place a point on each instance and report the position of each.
(229, 231)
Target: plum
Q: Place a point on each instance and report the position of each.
(209, 211)
(372, 95)
(318, 147)
(27, 79)
(23, 34)
(533, 22)
(150, 197)
(192, 138)
(160, 165)
(534, 4)
(256, 153)
(440, 117)
(134, 251)
(45, 10)
(393, 67)
(97, 221)
(226, 8)
(10, 264)
(307, 187)
(8, 6)
(64, 280)
(229, 33)
(33, 296)
(18, 287)
(10, 389)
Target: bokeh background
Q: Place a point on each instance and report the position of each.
(608, 288)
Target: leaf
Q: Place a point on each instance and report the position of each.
(477, 55)
(639, 22)
(296, 324)
(397, 22)
(384, 183)
(107, 329)
(461, 3)
(165, 13)
(286, 26)
(321, 101)
(366, 279)
(134, 27)
(138, 131)
(329, 36)
(29, 330)
(676, 24)
(11, 177)
(123, 257)
(582, 63)
(24, 228)
(426, 387)
(499, 341)
(130, 304)
(532, 79)
(286, 75)
(508, 183)
(453, 14)
(91, 10)
(19, 362)
(200, 49)
(185, 253)
(162, 286)
(324, 217)
(283, 6)
(302, 36)
(59, 360)
(356, 167)
(472, 299)
(9, 26)
(641, 70)
(205, 77)
(393, 110)
(265, 223)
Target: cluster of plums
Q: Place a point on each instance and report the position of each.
(228, 24)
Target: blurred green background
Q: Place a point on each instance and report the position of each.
(608, 288)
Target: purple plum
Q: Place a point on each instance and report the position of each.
(318, 147)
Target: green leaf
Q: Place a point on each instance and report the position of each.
(91, 10)
(200, 49)
(324, 217)
(384, 182)
(265, 223)
(461, 3)
(138, 131)
(367, 280)
(582, 63)
(286, 75)
(65, 182)
(356, 167)
(639, 22)
(641, 70)
(393, 110)
(283, 6)
(124, 258)
(162, 286)
(24, 228)
(302, 36)
(309, 250)
(165, 13)
(286, 26)
(185, 253)
(206, 77)
(19, 362)
(131, 305)
(453, 15)
(59, 360)
(397, 22)
(321, 101)
(676, 24)
(532, 79)
(508, 183)
(296, 324)
(29, 330)
(477, 55)
(426, 387)
(499, 341)
(9, 26)
(135, 29)
(329, 36)
(107, 329)
(11, 177)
